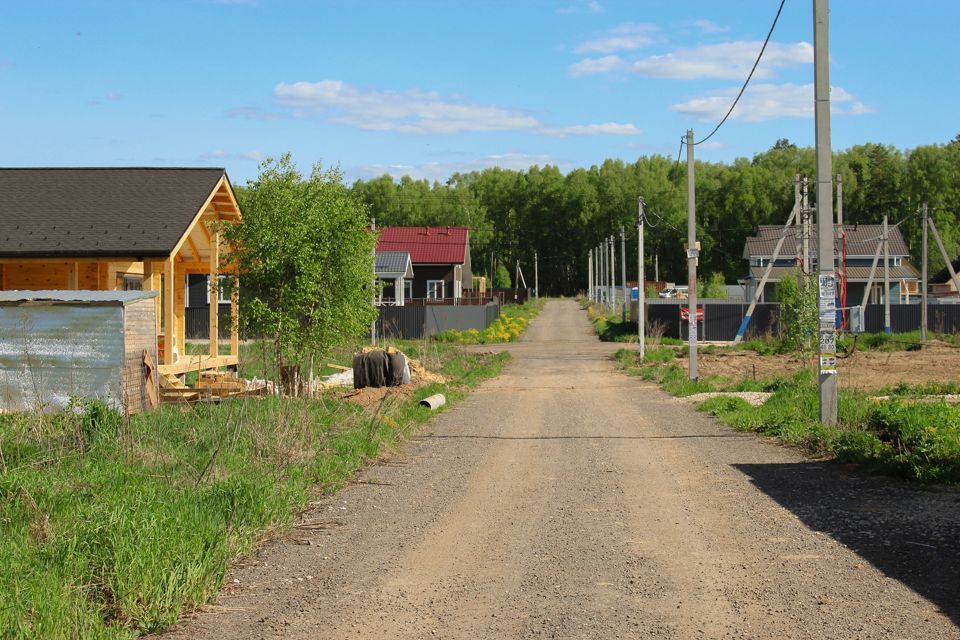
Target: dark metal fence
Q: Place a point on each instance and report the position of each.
(511, 296)
(422, 321)
(941, 318)
(197, 320)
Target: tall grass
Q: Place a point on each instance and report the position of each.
(110, 527)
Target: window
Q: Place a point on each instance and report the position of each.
(224, 288)
(434, 289)
(132, 283)
(408, 289)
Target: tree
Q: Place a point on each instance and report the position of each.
(305, 255)
(501, 277)
(797, 295)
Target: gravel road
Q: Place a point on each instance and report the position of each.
(566, 500)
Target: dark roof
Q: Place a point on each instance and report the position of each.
(943, 276)
(75, 212)
(905, 271)
(390, 262)
(862, 240)
(427, 245)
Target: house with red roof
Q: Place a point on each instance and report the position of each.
(440, 257)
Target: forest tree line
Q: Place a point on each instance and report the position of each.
(512, 214)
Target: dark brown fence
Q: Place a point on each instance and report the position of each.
(512, 296)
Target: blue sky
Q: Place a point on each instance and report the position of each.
(429, 87)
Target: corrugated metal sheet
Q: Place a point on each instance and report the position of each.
(427, 245)
(50, 353)
(905, 271)
(85, 297)
(393, 262)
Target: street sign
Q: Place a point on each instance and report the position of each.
(685, 314)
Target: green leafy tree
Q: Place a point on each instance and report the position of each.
(304, 252)
(797, 295)
(501, 277)
(715, 286)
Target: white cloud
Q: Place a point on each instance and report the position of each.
(414, 112)
(592, 66)
(625, 37)
(443, 170)
(728, 60)
(708, 26)
(768, 101)
(593, 6)
(604, 129)
(401, 111)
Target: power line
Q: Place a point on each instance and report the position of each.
(746, 82)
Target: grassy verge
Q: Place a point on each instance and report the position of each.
(611, 327)
(513, 321)
(109, 528)
(916, 440)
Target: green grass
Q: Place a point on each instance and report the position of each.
(110, 528)
(513, 321)
(915, 440)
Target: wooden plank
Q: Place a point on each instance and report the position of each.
(196, 217)
(180, 307)
(168, 319)
(73, 277)
(214, 289)
(197, 363)
(3, 277)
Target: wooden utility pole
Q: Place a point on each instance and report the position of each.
(692, 255)
(923, 278)
(826, 281)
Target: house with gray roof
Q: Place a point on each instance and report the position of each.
(394, 271)
(855, 247)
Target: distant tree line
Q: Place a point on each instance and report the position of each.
(512, 214)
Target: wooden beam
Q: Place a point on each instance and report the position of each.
(214, 288)
(206, 232)
(196, 217)
(151, 282)
(194, 249)
(180, 307)
(168, 319)
(73, 278)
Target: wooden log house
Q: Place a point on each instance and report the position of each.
(107, 229)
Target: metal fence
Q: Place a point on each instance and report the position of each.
(423, 321)
(941, 318)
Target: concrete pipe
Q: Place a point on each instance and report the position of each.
(434, 402)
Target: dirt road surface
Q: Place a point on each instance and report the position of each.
(565, 500)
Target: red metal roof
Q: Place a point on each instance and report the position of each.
(427, 245)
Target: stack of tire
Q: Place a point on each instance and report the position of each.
(380, 368)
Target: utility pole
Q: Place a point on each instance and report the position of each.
(923, 277)
(886, 276)
(641, 277)
(840, 203)
(590, 275)
(623, 274)
(805, 208)
(827, 284)
(798, 235)
(373, 325)
(656, 267)
(536, 276)
(613, 273)
(692, 255)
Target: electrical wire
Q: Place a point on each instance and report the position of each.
(747, 81)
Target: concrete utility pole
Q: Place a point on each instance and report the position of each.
(692, 255)
(886, 276)
(590, 275)
(798, 235)
(373, 325)
(923, 278)
(656, 267)
(623, 274)
(641, 278)
(536, 276)
(827, 284)
(943, 252)
(839, 203)
(613, 273)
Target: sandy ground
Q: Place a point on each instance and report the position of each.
(565, 500)
(866, 370)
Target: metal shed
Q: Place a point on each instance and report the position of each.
(58, 345)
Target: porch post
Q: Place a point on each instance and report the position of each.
(398, 291)
(214, 286)
(151, 282)
(168, 319)
(235, 316)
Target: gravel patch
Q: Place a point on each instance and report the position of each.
(756, 398)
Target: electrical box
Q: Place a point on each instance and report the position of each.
(857, 319)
